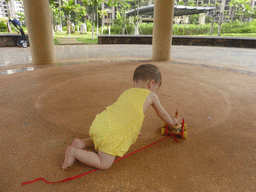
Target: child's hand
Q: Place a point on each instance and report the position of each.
(175, 121)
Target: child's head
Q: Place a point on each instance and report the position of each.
(147, 72)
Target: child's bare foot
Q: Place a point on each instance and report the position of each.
(69, 158)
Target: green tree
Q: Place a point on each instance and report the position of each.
(248, 12)
(254, 13)
(68, 6)
(191, 3)
(136, 18)
(123, 6)
(21, 18)
(92, 8)
(102, 13)
(80, 12)
(54, 13)
(111, 3)
(181, 2)
(216, 5)
(240, 4)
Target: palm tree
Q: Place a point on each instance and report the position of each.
(92, 7)
(68, 6)
(80, 11)
(216, 4)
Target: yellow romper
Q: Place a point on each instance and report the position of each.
(115, 129)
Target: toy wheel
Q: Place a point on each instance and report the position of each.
(185, 135)
(25, 44)
(185, 127)
(163, 131)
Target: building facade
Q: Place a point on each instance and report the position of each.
(229, 12)
(13, 6)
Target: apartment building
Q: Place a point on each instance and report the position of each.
(13, 6)
(223, 8)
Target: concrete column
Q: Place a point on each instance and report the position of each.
(38, 20)
(162, 32)
(185, 19)
(201, 18)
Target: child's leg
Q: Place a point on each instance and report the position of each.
(100, 160)
(82, 143)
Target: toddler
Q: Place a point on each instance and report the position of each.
(115, 129)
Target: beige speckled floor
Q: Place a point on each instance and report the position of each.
(41, 111)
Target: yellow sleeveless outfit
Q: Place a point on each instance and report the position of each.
(115, 129)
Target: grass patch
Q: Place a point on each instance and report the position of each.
(230, 35)
(85, 38)
(239, 35)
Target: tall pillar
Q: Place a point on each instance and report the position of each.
(201, 18)
(38, 20)
(162, 32)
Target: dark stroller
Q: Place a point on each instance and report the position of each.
(23, 39)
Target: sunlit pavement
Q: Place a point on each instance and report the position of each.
(237, 59)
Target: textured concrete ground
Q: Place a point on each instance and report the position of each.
(43, 110)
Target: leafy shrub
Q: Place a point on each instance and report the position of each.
(130, 29)
(89, 25)
(238, 27)
(117, 29)
(191, 29)
(193, 18)
(3, 27)
(208, 19)
(146, 28)
(65, 28)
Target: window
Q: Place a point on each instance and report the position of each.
(106, 6)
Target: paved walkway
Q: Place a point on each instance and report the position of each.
(235, 58)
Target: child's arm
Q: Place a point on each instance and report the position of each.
(161, 112)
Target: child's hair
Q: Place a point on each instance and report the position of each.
(146, 72)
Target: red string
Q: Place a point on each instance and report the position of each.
(93, 170)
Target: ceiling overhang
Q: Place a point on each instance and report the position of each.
(179, 10)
